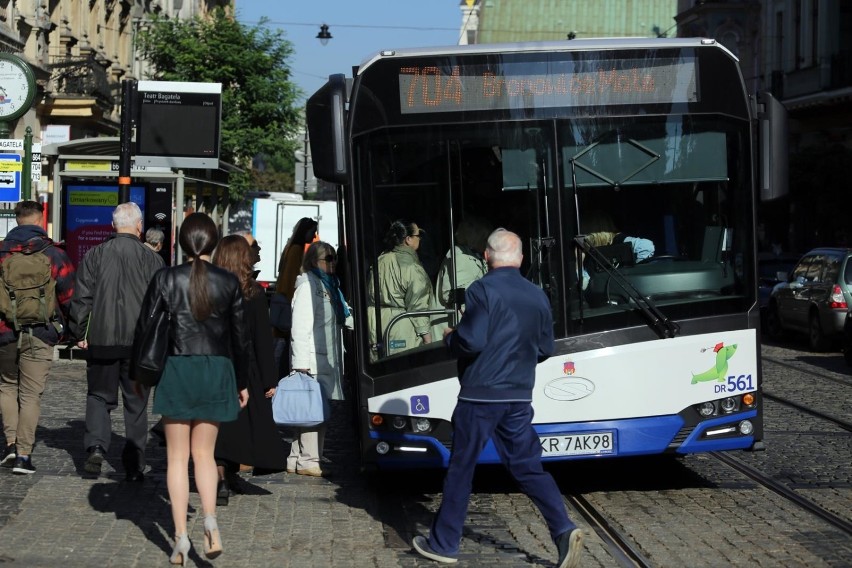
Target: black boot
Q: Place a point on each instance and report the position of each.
(223, 493)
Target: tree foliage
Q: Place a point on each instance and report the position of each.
(259, 112)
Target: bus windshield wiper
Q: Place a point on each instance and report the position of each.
(665, 327)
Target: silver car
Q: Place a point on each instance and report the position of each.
(815, 297)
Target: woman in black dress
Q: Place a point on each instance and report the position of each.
(252, 439)
(199, 388)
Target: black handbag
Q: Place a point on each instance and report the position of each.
(280, 312)
(151, 345)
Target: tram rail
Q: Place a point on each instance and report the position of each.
(621, 547)
(779, 488)
(802, 408)
(799, 369)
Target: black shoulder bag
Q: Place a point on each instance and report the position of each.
(151, 345)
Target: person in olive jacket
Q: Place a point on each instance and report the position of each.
(111, 282)
(399, 285)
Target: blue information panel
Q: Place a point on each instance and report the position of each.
(10, 178)
(88, 210)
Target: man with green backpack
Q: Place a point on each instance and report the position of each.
(36, 285)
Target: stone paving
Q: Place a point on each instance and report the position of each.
(692, 512)
(61, 516)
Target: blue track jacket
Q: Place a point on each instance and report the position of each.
(507, 328)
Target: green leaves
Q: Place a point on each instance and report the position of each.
(259, 113)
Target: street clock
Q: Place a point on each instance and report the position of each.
(17, 87)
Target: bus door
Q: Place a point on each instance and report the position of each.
(456, 184)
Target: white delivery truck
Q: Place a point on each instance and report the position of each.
(272, 223)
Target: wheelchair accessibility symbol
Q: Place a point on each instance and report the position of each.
(420, 404)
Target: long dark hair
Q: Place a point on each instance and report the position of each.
(198, 237)
(234, 255)
(304, 231)
(397, 232)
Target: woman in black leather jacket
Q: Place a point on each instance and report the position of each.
(199, 387)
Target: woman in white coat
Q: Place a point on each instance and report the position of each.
(319, 314)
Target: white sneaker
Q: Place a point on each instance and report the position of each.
(421, 545)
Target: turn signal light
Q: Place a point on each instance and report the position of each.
(748, 399)
(377, 420)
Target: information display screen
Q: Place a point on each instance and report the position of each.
(178, 124)
(524, 85)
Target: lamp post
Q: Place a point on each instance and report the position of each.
(324, 34)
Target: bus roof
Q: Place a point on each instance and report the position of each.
(548, 46)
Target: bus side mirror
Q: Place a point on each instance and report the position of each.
(773, 147)
(326, 118)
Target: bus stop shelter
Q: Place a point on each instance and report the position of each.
(96, 160)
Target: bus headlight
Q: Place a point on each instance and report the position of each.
(382, 448)
(422, 425)
(398, 422)
(729, 404)
(706, 409)
(746, 427)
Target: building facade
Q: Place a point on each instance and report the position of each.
(500, 21)
(801, 51)
(79, 51)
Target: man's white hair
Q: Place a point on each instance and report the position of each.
(154, 236)
(126, 216)
(504, 248)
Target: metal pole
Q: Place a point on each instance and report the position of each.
(27, 166)
(58, 196)
(127, 109)
(178, 214)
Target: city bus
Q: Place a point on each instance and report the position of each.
(657, 140)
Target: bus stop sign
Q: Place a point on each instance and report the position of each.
(10, 178)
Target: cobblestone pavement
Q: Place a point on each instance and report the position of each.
(61, 516)
(688, 512)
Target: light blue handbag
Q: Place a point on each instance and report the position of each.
(299, 401)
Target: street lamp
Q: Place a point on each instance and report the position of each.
(323, 35)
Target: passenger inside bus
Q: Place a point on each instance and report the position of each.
(601, 233)
(399, 285)
(471, 238)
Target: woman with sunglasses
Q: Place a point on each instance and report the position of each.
(403, 286)
(319, 314)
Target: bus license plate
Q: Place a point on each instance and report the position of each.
(581, 444)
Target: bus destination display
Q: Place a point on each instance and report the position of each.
(512, 85)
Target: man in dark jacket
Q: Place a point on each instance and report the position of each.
(111, 282)
(507, 328)
(26, 356)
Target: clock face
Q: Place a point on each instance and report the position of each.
(16, 88)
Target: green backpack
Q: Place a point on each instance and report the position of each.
(27, 289)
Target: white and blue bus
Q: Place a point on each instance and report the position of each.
(656, 139)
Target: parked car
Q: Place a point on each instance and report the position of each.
(771, 270)
(815, 297)
(846, 345)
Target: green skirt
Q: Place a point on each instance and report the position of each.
(197, 387)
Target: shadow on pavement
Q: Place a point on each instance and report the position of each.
(69, 439)
(144, 504)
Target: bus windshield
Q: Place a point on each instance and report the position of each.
(657, 195)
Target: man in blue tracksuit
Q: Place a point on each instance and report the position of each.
(506, 330)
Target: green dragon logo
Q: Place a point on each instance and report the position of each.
(719, 371)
